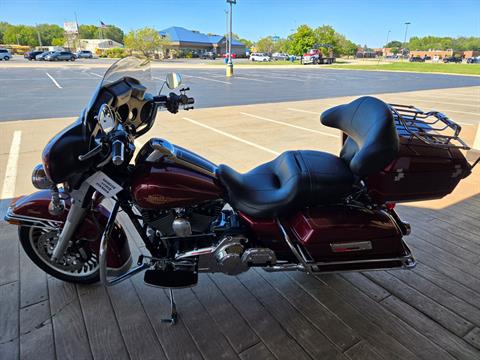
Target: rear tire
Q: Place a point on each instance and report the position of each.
(6, 58)
(30, 237)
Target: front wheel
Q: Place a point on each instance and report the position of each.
(79, 264)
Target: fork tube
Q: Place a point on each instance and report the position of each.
(104, 243)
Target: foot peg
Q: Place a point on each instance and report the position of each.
(171, 278)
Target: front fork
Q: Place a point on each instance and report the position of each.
(76, 214)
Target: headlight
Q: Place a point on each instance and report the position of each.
(40, 179)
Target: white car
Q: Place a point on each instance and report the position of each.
(259, 57)
(5, 54)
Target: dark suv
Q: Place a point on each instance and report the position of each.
(31, 55)
(453, 59)
(416, 59)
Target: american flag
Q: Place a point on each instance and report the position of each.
(103, 25)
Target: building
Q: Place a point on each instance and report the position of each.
(441, 54)
(101, 44)
(182, 42)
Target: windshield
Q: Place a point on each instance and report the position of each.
(132, 67)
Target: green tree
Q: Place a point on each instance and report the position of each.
(111, 32)
(301, 40)
(49, 32)
(21, 34)
(265, 44)
(394, 44)
(145, 40)
(88, 31)
(3, 27)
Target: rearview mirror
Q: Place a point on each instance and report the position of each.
(106, 118)
(173, 80)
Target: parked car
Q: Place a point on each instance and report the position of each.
(259, 57)
(426, 57)
(41, 57)
(234, 56)
(453, 59)
(5, 54)
(208, 55)
(84, 54)
(416, 59)
(32, 55)
(280, 56)
(473, 60)
(60, 55)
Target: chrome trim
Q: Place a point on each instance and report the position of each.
(122, 269)
(295, 252)
(40, 179)
(167, 150)
(31, 221)
(351, 246)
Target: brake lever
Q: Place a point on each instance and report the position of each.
(96, 150)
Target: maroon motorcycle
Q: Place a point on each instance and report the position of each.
(305, 210)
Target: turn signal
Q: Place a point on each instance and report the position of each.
(40, 179)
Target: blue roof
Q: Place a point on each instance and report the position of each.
(180, 34)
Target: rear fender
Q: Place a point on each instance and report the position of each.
(32, 211)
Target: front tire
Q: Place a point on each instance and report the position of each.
(79, 266)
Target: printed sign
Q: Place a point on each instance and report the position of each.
(104, 185)
(70, 27)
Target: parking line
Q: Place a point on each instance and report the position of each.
(95, 74)
(208, 79)
(290, 125)
(8, 189)
(304, 111)
(54, 81)
(251, 79)
(232, 136)
(419, 99)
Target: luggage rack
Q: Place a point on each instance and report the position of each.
(433, 128)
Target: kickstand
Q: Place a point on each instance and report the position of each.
(173, 310)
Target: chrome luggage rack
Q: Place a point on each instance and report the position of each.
(433, 128)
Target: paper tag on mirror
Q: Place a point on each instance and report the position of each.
(103, 184)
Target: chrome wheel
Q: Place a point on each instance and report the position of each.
(79, 260)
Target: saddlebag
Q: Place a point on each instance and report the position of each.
(430, 162)
(347, 238)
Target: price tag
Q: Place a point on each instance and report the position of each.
(104, 185)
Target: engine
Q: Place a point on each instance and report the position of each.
(209, 237)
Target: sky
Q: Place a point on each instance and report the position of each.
(362, 21)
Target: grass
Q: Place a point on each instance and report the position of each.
(465, 69)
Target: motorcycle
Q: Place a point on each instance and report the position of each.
(307, 211)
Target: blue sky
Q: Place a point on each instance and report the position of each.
(364, 22)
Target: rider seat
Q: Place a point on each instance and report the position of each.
(297, 179)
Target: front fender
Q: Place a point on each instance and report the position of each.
(32, 211)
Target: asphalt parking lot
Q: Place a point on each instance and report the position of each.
(63, 89)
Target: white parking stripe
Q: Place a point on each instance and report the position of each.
(304, 111)
(232, 136)
(95, 74)
(208, 79)
(421, 100)
(54, 81)
(251, 79)
(290, 125)
(8, 189)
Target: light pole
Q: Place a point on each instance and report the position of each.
(230, 64)
(405, 38)
(18, 41)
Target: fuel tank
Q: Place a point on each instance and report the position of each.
(162, 186)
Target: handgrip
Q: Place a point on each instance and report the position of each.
(118, 152)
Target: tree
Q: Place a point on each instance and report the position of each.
(265, 44)
(49, 32)
(111, 32)
(88, 31)
(3, 27)
(394, 44)
(21, 34)
(145, 40)
(301, 40)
